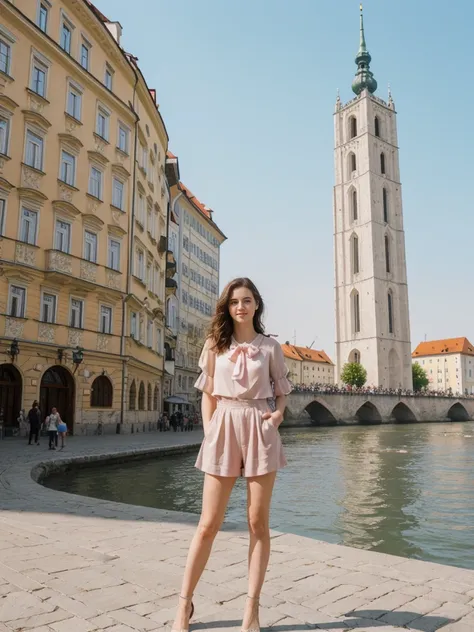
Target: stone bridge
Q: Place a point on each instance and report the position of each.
(332, 409)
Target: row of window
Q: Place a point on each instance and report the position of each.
(62, 237)
(352, 163)
(354, 204)
(195, 250)
(65, 40)
(356, 318)
(200, 228)
(148, 274)
(149, 335)
(48, 314)
(186, 384)
(49, 306)
(353, 130)
(196, 303)
(200, 279)
(355, 254)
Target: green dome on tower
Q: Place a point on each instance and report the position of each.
(364, 77)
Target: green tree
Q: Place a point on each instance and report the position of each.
(354, 374)
(420, 379)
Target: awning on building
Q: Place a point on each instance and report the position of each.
(176, 399)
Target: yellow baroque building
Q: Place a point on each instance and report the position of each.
(83, 222)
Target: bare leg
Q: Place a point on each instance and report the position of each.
(216, 493)
(259, 496)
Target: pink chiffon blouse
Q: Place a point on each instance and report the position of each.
(245, 371)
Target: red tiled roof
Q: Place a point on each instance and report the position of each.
(170, 155)
(439, 347)
(192, 198)
(305, 354)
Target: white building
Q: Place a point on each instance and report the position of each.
(195, 240)
(308, 366)
(449, 364)
(372, 319)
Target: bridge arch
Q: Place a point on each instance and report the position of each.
(403, 414)
(321, 414)
(457, 412)
(368, 414)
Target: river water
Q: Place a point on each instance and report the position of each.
(402, 489)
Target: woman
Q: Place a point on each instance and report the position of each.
(239, 364)
(52, 423)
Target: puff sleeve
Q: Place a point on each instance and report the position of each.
(279, 372)
(207, 363)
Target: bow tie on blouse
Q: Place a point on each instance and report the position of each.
(239, 356)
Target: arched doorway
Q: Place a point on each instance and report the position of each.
(11, 385)
(57, 389)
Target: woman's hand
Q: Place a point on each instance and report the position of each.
(276, 418)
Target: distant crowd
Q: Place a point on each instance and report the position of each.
(333, 389)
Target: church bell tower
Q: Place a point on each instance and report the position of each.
(371, 292)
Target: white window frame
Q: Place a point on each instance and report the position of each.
(156, 279)
(100, 184)
(76, 110)
(10, 301)
(5, 41)
(65, 21)
(84, 43)
(134, 326)
(47, 6)
(60, 234)
(107, 312)
(37, 158)
(41, 66)
(114, 254)
(3, 213)
(27, 221)
(158, 341)
(50, 318)
(72, 309)
(92, 243)
(118, 193)
(126, 134)
(109, 71)
(104, 114)
(141, 208)
(140, 264)
(68, 169)
(5, 143)
(149, 333)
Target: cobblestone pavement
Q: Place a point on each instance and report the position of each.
(75, 564)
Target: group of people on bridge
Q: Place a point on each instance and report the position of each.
(347, 389)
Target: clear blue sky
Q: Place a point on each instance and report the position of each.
(247, 90)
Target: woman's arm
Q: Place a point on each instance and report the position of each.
(208, 406)
(277, 416)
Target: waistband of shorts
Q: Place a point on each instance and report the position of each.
(241, 403)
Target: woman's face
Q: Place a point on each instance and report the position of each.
(242, 305)
(54, 410)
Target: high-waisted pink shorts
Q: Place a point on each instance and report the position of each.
(240, 442)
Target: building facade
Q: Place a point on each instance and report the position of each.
(195, 240)
(308, 366)
(372, 317)
(83, 224)
(449, 364)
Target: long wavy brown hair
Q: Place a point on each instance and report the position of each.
(222, 325)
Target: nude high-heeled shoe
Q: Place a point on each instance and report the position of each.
(188, 599)
(253, 629)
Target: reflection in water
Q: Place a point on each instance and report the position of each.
(403, 489)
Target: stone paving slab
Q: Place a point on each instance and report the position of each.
(75, 564)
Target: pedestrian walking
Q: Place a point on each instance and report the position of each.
(52, 422)
(34, 419)
(62, 432)
(241, 370)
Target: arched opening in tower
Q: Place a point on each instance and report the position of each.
(320, 415)
(457, 412)
(402, 414)
(368, 414)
